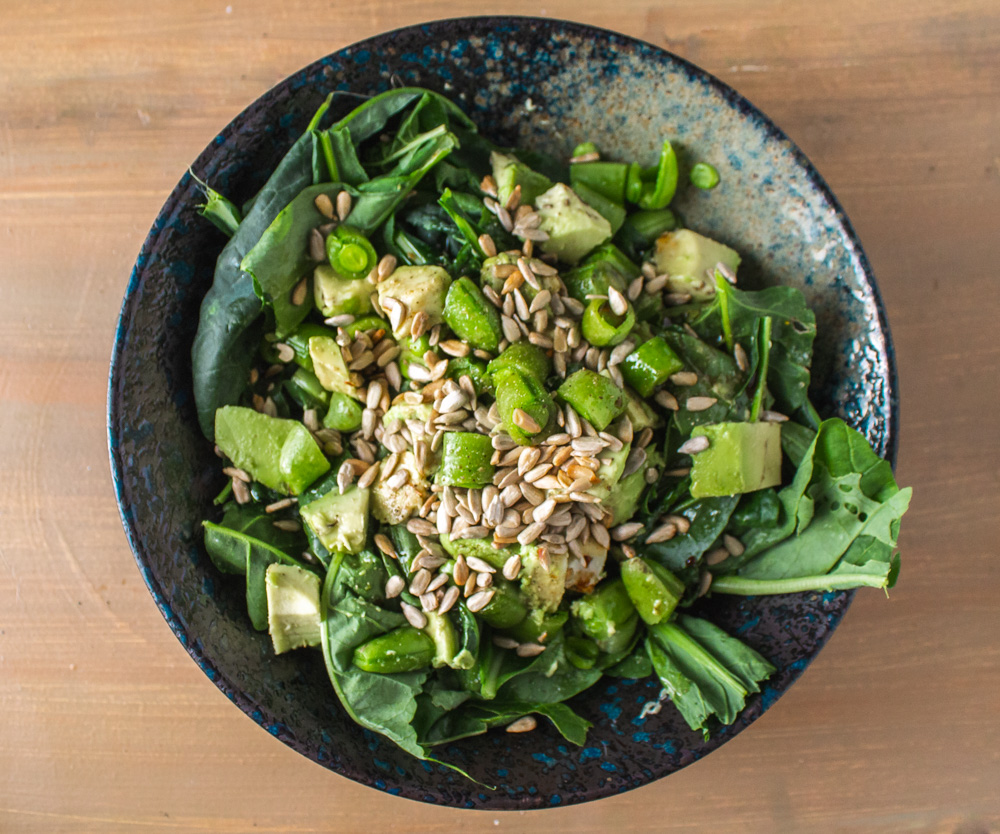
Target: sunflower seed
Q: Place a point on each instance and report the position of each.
(617, 302)
(437, 582)
(317, 246)
(684, 378)
(511, 332)
(683, 524)
(449, 599)
(420, 581)
(530, 649)
(625, 531)
(420, 527)
(694, 445)
(588, 445)
(418, 324)
(740, 355)
(734, 547)
(716, 556)
(612, 443)
(772, 417)
(635, 288)
(621, 352)
(454, 347)
(704, 584)
(414, 616)
(488, 246)
(700, 403)
(663, 533)
(369, 476)
(533, 475)
(600, 534)
(453, 401)
(512, 567)
(479, 565)
(592, 156)
(529, 276)
(656, 283)
(504, 642)
(393, 376)
(324, 205)
(343, 205)
(479, 600)
(523, 725)
(544, 510)
(525, 421)
(667, 400)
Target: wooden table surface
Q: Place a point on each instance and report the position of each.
(106, 724)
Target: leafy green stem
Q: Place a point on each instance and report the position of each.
(741, 586)
(764, 345)
(723, 291)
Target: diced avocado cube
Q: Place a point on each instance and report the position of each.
(281, 454)
(344, 413)
(293, 612)
(419, 288)
(573, 227)
(471, 316)
(594, 397)
(623, 500)
(741, 457)
(329, 366)
(335, 295)
(653, 589)
(509, 172)
(543, 585)
(607, 616)
(340, 522)
(394, 506)
(687, 257)
(639, 412)
(404, 412)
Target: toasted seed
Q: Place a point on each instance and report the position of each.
(383, 543)
(684, 378)
(531, 532)
(505, 642)
(420, 527)
(625, 531)
(592, 156)
(414, 616)
(449, 599)
(428, 601)
(343, 205)
(299, 293)
(525, 421)
(317, 246)
(394, 587)
(600, 535)
(512, 567)
(677, 473)
(453, 401)
(636, 458)
(479, 565)
(714, 557)
(530, 649)
(488, 186)
(437, 582)
(704, 584)
(652, 475)
(478, 601)
(484, 580)
(454, 347)
(699, 403)
(740, 355)
(285, 352)
(621, 352)
(324, 205)
(532, 476)
(683, 524)
(523, 725)
(238, 474)
(694, 445)
(241, 491)
(663, 533)
(418, 324)
(656, 283)
(393, 376)
(544, 510)
(420, 581)
(772, 417)
(461, 571)
(287, 524)
(734, 547)
(617, 302)
(279, 505)
(667, 400)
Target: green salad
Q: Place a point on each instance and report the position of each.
(492, 422)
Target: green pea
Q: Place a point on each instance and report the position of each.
(704, 176)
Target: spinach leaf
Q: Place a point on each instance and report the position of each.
(636, 665)
(385, 704)
(791, 340)
(439, 725)
(681, 554)
(549, 678)
(218, 209)
(846, 517)
(245, 542)
(705, 671)
(718, 376)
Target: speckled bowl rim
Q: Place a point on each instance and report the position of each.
(695, 74)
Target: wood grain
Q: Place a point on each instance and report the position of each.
(108, 726)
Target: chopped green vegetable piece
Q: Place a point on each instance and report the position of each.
(471, 316)
(506, 607)
(350, 253)
(650, 365)
(606, 615)
(465, 460)
(603, 328)
(611, 211)
(509, 172)
(292, 607)
(653, 589)
(573, 227)
(604, 178)
(344, 413)
(281, 454)
(594, 397)
(405, 649)
(520, 394)
(741, 457)
(704, 176)
(335, 294)
(584, 148)
(687, 257)
(660, 192)
(525, 357)
(339, 520)
(329, 366)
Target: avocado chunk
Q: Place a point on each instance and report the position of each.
(573, 227)
(281, 454)
(624, 498)
(394, 506)
(509, 172)
(686, 257)
(340, 522)
(404, 412)
(653, 589)
(543, 584)
(329, 366)
(420, 288)
(741, 457)
(639, 412)
(335, 294)
(440, 629)
(610, 473)
(292, 607)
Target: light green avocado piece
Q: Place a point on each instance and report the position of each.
(686, 257)
(543, 587)
(573, 227)
(624, 498)
(741, 457)
(419, 288)
(281, 454)
(639, 412)
(329, 366)
(608, 474)
(440, 629)
(480, 548)
(293, 618)
(340, 522)
(404, 412)
(335, 295)
(509, 172)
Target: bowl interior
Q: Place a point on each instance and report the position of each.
(547, 85)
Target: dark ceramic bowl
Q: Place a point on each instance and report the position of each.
(531, 82)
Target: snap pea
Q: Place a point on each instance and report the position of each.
(609, 255)
(704, 176)
(585, 148)
(593, 279)
(518, 391)
(465, 460)
(582, 652)
(474, 369)
(594, 397)
(606, 178)
(653, 589)
(344, 413)
(506, 607)
(607, 616)
(412, 351)
(525, 357)
(405, 649)
(649, 366)
(641, 229)
(654, 188)
(305, 389)
(350, 253)
(603, 328)
(364, 323)
(471, 316)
